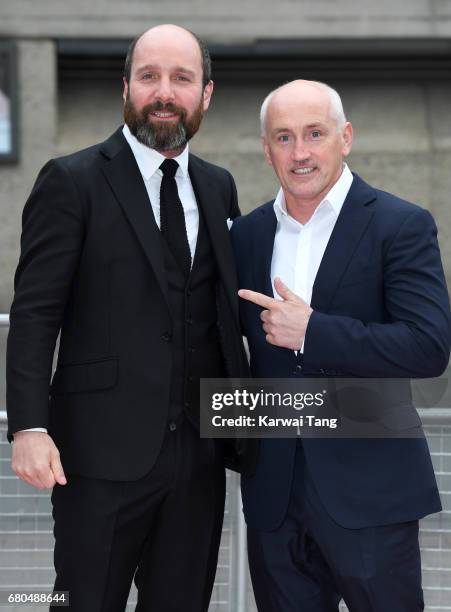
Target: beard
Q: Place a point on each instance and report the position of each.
(162, 135)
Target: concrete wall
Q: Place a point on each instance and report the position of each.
(232, 21)
(37, 138)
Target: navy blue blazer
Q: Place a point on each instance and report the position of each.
(381, 309)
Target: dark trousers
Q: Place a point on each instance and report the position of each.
(310, 562)
(162, 530)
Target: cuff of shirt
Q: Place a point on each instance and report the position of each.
(301, 350)
(41, 429)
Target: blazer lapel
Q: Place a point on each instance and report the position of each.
(262, 249)
(122, 173)
(209, 200)
(349, 228)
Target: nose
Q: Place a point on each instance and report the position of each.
(300, 153)
(164, 92)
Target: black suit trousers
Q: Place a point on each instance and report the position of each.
(163, 530)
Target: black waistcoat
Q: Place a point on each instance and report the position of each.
(196, 350)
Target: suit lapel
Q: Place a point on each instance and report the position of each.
(124, 177)
(210, 201)
(349, 228)
(262, 249)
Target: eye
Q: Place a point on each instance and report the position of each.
(148, 75)
(283, 138)
(316, 134)
(182, 77)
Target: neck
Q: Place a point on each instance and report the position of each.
(300, 211)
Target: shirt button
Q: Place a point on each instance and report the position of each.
(172, 426)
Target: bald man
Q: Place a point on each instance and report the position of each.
(125, 252)
(338, 279)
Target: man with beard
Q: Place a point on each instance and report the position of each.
(125, 251)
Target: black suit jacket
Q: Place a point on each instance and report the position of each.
(91, 265)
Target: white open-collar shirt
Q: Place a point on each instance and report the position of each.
(299, 248)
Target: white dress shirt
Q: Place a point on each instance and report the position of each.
(299, 248)
(149, 162)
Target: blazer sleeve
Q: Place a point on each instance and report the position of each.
(234, 208)
(51, 242)
(415, 339)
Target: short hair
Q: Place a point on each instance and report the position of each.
(204, 52)
(334, 97)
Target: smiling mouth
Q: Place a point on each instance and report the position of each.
(164, 115)
(303, 171)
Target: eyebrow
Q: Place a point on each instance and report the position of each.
(176, 69)
(280, 130)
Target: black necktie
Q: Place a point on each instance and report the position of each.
(172, 217)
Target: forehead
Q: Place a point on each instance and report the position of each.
(171, 49)
(297, 109)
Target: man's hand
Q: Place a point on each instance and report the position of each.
(36, 459)
(284, 322)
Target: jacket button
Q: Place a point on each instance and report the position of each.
(172, 426)
(167, 336)
(299, 368)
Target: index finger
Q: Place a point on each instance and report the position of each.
(257, 298)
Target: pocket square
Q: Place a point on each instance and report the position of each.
(229, 222)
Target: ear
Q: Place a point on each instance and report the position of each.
(206, 96)
(125, 90)
(348, 135)
(266, 150)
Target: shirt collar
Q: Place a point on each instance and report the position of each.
(335, 197)
(149, 160)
